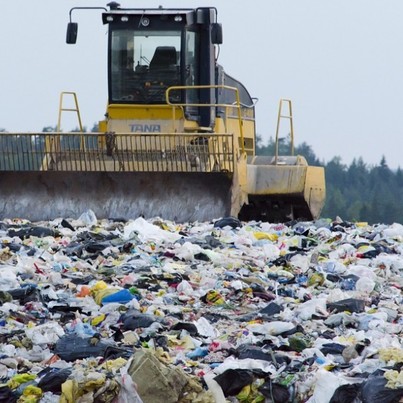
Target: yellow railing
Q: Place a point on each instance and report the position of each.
(116, 152)
(290, 119)
(236, 105)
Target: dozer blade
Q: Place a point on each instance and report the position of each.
(179, 197)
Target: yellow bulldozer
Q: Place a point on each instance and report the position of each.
(178, 140)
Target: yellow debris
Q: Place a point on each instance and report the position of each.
(391, 354)
(394, 378)
(98, 319)
(265, 235)
(31, 394)
(19, 379)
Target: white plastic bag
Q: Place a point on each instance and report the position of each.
(365, 285)
(204, 328)
(48, 333)
(128, 392)
(88, 218)
(185, 288)
(148, 232)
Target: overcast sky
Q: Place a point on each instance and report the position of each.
(340, 62)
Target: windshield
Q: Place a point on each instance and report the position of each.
(144, 64)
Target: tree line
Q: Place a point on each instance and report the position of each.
(355, 192)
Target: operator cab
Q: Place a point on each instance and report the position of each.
(154, 49)
(143, 64)
(151, 50)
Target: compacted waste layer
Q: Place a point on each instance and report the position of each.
(222, 311)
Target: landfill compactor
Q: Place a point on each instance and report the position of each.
(178, 140)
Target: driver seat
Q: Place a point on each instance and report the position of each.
(164, 57)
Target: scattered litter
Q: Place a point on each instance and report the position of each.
(225, 311)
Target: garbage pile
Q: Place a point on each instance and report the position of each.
(223, 311)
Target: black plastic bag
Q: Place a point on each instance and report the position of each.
(349, 304)
(232, 222)
(113, 352)
(271, 309)
(52, 381)
(275, 392)
(72, 347)
(248, 351)
(332, 348)
(232, 381)
(25, 294)
(346, 393)
(374, 390)
(189, 327)
(7, 395)
(133, 321)
(39, 232)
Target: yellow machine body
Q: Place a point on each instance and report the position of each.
(181, 149)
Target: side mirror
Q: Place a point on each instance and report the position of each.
(71, 36)
(216, 34)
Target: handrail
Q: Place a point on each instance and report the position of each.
(224, 87)
(289, 116)
(76, 109)
(117, 152)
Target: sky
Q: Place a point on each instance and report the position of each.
(340, 62)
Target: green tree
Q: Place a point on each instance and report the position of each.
(306, 151)
(49, 129)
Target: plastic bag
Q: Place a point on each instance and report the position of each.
(54, 378)
(349, 304)
(187, 251)
(88, 218)
(232, 222)
(48, 333)
(273, 328)
(8, 278)
(214, 388)
(346, 393)
(307, 309)
(128, 392)
(204, 328)
(374, 390)
(72, 347)
(121, 296)
(233, 380)
(7, 395)
(39, 232)
(135, 320)
(148, 232)
(185, 288)
(278, 393)
(365, 285)
(326, 384)
(245, 351)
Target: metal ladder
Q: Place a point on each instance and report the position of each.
(289, 117)
(76, 109)
(61, 109)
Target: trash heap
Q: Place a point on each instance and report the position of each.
(223, 311)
